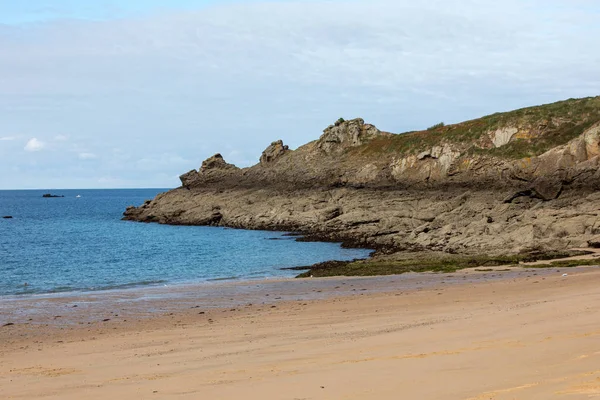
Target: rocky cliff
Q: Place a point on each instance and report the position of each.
(505, 183)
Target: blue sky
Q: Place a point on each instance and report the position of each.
(134, 93)
(15, 12)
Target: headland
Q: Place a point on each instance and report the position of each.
(505, 188)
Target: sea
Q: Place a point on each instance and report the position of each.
(78, 243)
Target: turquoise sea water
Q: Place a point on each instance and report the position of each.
(80, 244)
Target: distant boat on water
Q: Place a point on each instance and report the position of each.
(78, 196)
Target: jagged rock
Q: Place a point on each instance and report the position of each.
(212, 167)
(132, 213)
(216, 162)
(346, 134)
(189, 178)
(273, 152)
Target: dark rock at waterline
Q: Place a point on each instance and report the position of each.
(49, 195)
(320, 266)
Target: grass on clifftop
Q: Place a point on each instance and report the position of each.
(439, 265)
(556, 124)
(522, 148)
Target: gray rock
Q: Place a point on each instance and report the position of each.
(216, 162)
(189, 178)
(547, 188)
(273, 152)
(346, 134)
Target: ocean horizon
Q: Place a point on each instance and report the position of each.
(80, 244)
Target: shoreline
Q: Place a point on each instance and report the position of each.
(148, 302)
(274, 273)
(48, 308)
(521, 335)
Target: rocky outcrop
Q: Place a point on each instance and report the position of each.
(502, 184)
(216, 162)
(431, 164)
(501, 137)
(450, 221)
(344, 134)
(213, 168)
(189, 178)
(272, 153)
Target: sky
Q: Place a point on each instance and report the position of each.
(132, 93)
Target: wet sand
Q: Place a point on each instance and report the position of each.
(519, 334)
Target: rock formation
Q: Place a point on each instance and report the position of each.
(212, 167)
(504, 183)
(215, 162)
(344, 134)
(273, 152)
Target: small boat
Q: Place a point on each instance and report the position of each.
(78, 196)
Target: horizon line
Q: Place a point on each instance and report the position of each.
(118, 188)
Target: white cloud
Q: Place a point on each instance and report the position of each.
(34, 145)
(381, 43)
(173, 89)
(61, 138)
(87, 156)
(7, 138)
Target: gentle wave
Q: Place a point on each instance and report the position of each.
(72, 289)
(133, 285)
(228, 278)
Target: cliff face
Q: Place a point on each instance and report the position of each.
(503, 183)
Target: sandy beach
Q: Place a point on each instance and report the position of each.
(299, 200)
(535, 335)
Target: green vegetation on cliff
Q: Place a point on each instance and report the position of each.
(539, 129)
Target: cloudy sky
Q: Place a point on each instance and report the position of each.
(132, 93)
